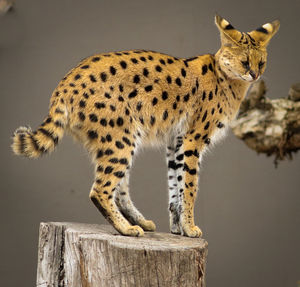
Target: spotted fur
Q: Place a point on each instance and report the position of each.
(115, 103)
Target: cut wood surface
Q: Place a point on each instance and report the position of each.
(76, 254)
(270, 126)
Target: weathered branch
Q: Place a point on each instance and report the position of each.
(270, 126)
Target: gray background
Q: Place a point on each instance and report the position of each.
(248, 210)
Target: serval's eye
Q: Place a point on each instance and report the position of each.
(246, 65)
(261, 64)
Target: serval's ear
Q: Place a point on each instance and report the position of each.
(264, 33)
(229, 35)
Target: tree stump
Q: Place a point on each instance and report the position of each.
(75, 254)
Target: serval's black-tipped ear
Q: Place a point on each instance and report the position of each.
(264, 33)
(229, 35)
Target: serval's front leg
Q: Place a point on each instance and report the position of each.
(174, 203)
(187, 181)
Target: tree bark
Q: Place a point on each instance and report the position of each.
(74, 254)
(270, 126)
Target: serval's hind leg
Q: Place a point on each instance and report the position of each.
(126, 206)
(110, 169)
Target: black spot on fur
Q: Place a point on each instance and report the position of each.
(123, 161)
(119, 145)
(149, 88)
(120, 121)
(108, 183)
(152, 120)
(220, 125)
(136, 79)
(119, 174)
(99, 105)
(82, 104)
(206, 125)
(100, 153)
(109, 151)
(112, 70)
(158, 68)
(154, 101)
(103, 122)
(165, 115)
(178, 82)
(139, 106)
(92, 134)
(132, 94)
(93, 118)
(164, 95)
(111, 123)
(107, 95)
(126, 140)
(145, 72)
(103, 77)
(108, 169)
(188, 153)
(93, 79)
(99, 168)
(192, 171)
(123, 64)
(197, 136)
(207, 141)
(95, 59)
(172, 164)
(204, 116)
(186, 97)
(81, 116)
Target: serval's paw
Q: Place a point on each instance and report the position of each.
(134, 230)
(148, 225)
(192, 231)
